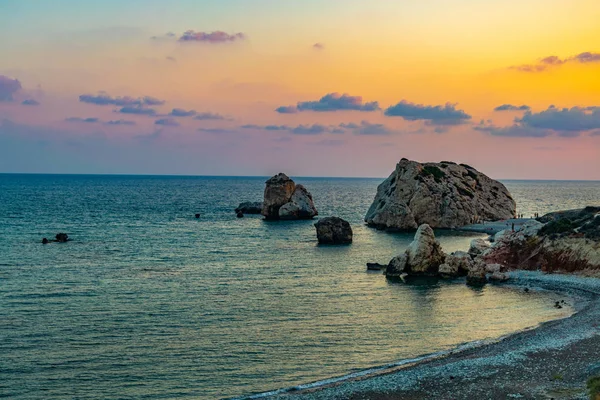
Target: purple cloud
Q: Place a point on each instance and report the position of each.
(8, 87)
(332, 102)
(314, 129)
(210, 37)
(510, 107)
(120, 122)
(30, 102)
(206, 116)
(435, 115)
(86, 120)
(513, 131)
(366, 128)
(166, 122)
(287, 110)
(105, 100)
(137, 110)
(555, 61)
(179, 112)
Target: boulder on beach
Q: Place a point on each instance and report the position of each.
(333, 230)
(249, 207)
(442, 195)
(286, 200)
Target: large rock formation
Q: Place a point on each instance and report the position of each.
(442, 195)
(333, 230)
(286, 200)
(569, 241)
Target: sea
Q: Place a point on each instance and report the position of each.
(148, 302)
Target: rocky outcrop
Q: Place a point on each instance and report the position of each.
(424, 254)
(478, 247)
(333, 230)
(477, 275)
(249, 207)
(568, 241)
(286, 200)
(442, 195)
(422, 257)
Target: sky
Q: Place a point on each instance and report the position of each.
(309, 88)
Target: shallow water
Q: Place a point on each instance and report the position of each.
(149, 302)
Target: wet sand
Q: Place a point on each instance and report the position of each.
(552, 361)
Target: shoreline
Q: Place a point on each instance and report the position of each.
(551, 360)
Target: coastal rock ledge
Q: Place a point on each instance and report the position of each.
(442, 195)
(286, 200)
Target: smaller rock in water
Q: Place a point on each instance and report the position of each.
(240, 214)
(375, 266)
(249, 207)
(62, 237)
(425, 254)
(477, 276)
(197, 215)
(333, 230)
(45, 241)
(396, 267)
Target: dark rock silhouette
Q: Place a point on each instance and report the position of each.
(333, 230)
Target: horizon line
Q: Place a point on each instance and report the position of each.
(265, 176)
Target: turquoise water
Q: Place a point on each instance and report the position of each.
(148, 302)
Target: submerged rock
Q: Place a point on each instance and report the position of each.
(249, 207)
(442, 195)
(375, 266)
(334, 230)
(62, 237)
(286, 200)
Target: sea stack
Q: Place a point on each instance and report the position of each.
(442, 195)
(286, 200)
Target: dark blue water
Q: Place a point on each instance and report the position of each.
(148, 302)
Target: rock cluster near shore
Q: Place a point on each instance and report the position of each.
(442, 195)
(424, 256)
(286, 200)
(567, 241)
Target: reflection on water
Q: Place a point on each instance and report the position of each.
(148, 301)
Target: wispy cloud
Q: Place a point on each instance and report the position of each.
(166, 122)
(85, 120)
(8, 87)
(121, 122)
(435, 115)
(103, 99)
(510, 107)
(331, 102)
(210, 37)
(137, 110)
(30, 102)
(206, 116)
(546, 63)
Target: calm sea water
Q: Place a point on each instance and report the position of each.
(148, 302)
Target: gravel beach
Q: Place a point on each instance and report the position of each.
(552, 361)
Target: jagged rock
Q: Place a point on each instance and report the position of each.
(459, 262)
(447, 271)
(478, 247)
(397, 266)
(493, 268)
(333, 230)
(286, 200)
(442, 195)
(569, 242)
(249, 207)
(278, 192)
(300, 206)
(424, 254)
(477, 275)
(499, 277)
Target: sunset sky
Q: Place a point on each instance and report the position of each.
(310, 88)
